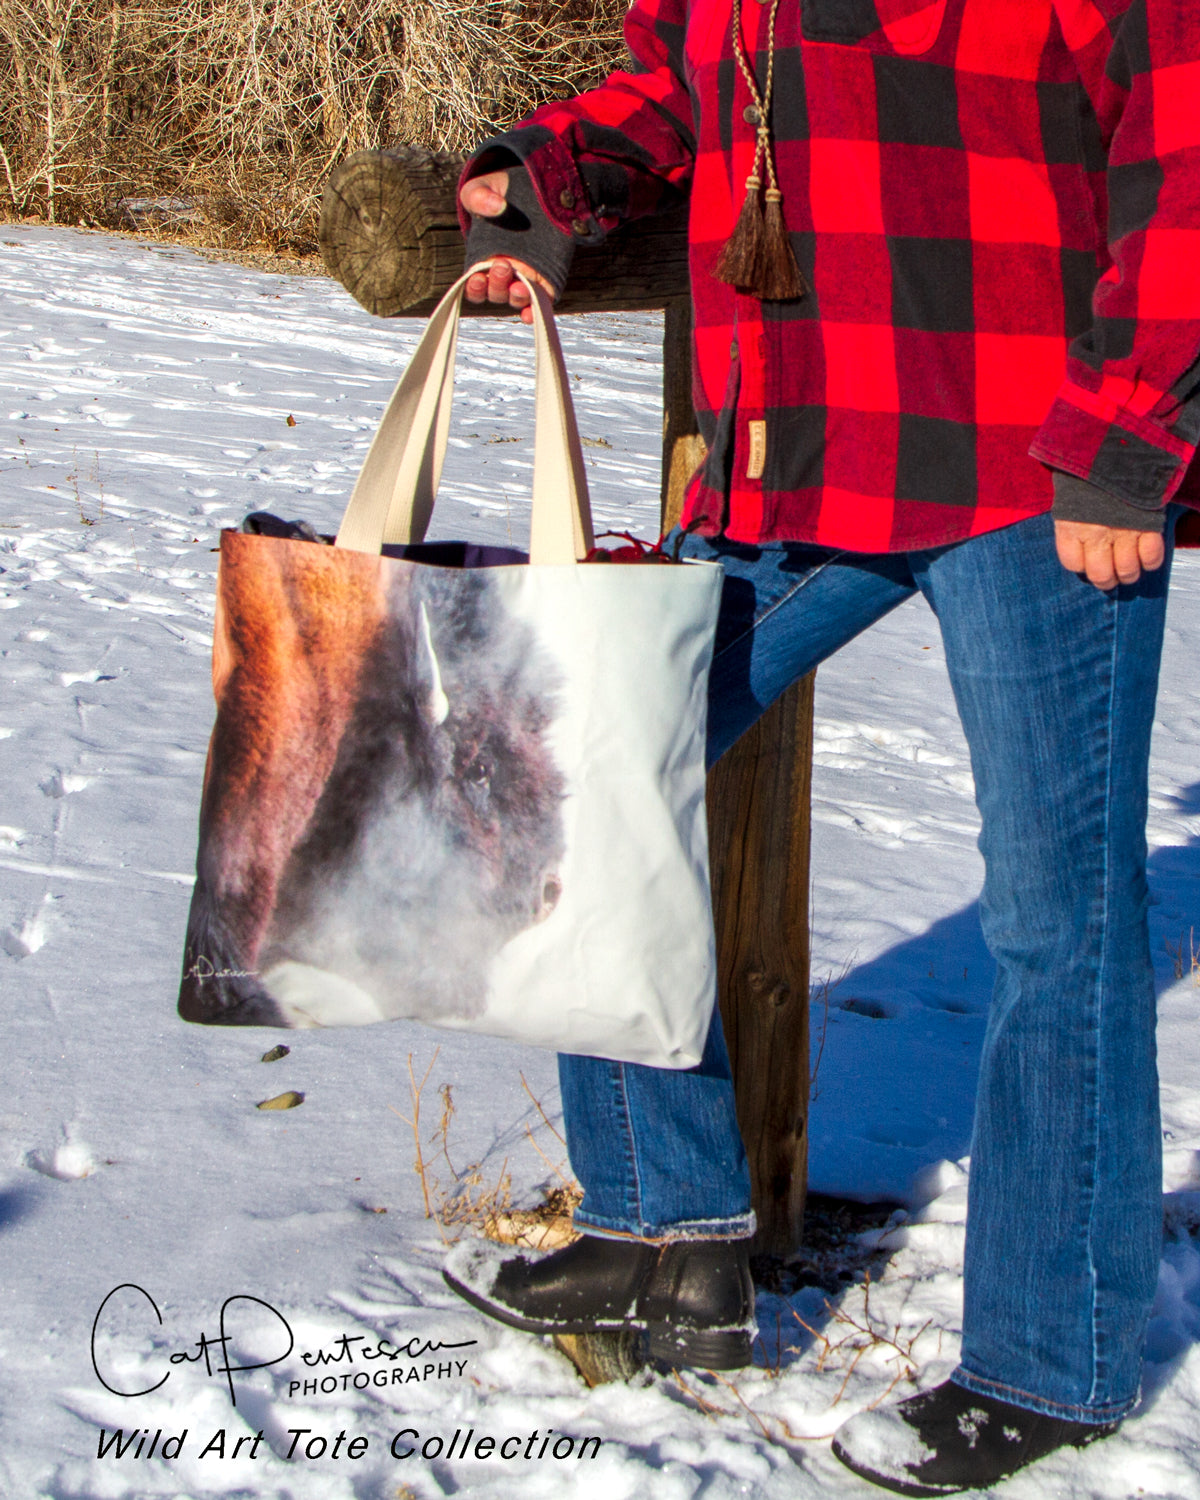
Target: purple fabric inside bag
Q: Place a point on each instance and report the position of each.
(457, 554)
(434, 554)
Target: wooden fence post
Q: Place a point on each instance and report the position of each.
(389, 234)
(759, 797)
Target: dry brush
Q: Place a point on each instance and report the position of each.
(224, 116)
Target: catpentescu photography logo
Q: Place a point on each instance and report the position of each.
(347, 1362)
(362, 1363)
(129, 1314)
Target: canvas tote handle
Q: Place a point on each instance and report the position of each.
(394, 495)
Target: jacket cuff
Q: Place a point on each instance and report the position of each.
(1077, 499)
(557, 180)
(1090, 435)
(523, 232)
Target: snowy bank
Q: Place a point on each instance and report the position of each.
(150, 398)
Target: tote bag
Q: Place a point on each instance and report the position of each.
(467, 795)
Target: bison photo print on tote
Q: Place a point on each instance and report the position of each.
(382, 811)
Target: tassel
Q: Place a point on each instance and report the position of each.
(758, 257)
(742, 257)
(779, 277)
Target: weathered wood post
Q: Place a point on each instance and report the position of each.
(389, 234)
(759, 804)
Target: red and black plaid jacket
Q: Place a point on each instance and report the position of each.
(996, 206)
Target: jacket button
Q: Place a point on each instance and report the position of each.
(580, 226)
(567, 198)
(751, 114)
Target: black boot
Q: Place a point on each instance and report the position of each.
(693, 1299)
(950, 1439)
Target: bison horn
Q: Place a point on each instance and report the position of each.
(437, 705)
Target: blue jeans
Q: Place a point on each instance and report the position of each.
(1055, 684)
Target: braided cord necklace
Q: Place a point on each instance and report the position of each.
(758, 256)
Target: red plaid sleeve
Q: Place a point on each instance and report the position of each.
(620, 151)
(1127, 417)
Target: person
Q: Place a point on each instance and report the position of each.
(945, 266)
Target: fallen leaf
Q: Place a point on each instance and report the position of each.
(288, 1100)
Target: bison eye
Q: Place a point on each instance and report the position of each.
(479, 773)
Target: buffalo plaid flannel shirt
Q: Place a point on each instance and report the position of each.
(996, 206)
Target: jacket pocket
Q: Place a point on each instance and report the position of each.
(904, 27)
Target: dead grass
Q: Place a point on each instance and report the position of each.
(839, 1347)
(846, 1339)
(460, 1198)
(221, 118)
(1185, 961)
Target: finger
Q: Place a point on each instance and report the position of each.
(1098, 565)
(1069, 547)
(510, 289)
(500, 282)
(1127, 563)
(535, 276)
(479, 200)
(1152, 549)
(486, 197)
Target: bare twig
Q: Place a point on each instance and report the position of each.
(470, 1199)
(420, 1166)
(710, 1409)
(1175, 950)
(546, 1120)
(706, 1407)
(862, 1336)
(743, 1403)
(825, 990)
(8, 172)
(555, 1166)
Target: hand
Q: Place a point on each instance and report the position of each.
(1107, 555)
(485, 197)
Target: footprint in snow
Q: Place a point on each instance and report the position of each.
(67, 1162)
(953, 1007)
(63, 783)
(874, 1010)
(26, 938)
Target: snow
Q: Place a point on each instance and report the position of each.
(147, 396)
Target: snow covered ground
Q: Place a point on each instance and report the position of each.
(150, 398)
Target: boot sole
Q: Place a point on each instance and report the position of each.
(700, 1348)
(665, 1343)
(927, 1492)
(886, 1481)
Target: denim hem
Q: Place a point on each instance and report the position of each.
(1112, 1411)
(740, 1227)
